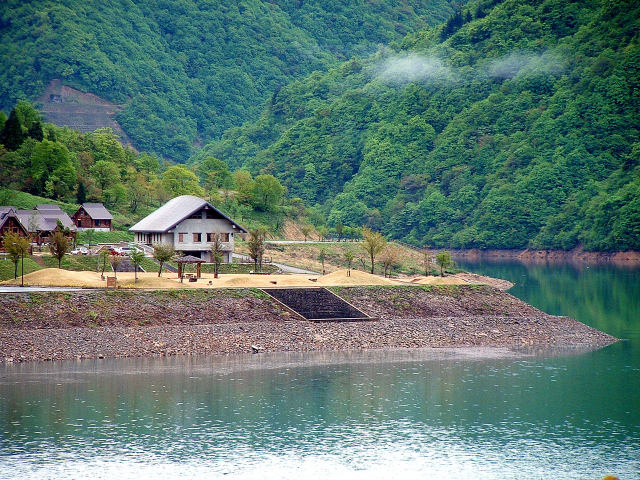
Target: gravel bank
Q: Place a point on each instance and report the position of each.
(96, 324)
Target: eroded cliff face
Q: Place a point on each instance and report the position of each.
(65, 106)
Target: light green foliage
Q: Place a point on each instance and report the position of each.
(163, 253)
(214, 174)
(105, 173)
(51, 170)
(372, 243)
(136, 257)
(266, 192)
(179, 180)
(17, 247)
(59, 246)
(443, 259)
(525, 136)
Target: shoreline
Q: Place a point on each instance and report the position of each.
(531, 256)
(120, 323)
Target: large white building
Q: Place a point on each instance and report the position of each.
(188, 224)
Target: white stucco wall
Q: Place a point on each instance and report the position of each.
(202, 226)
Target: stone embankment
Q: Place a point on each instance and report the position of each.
(101, 324)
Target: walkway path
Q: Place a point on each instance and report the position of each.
(281, 266)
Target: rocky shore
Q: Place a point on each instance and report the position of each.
(121, 323)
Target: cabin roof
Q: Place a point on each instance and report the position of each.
(173, 212)
(97, 211)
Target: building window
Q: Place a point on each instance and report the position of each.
(181, 237)
(197, 237)
(224, 237)
(210, 237)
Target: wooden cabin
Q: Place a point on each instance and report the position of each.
(94, 216)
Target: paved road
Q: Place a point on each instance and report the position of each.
(281, 266)
(38, 289)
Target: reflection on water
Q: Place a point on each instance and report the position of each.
(357, 415)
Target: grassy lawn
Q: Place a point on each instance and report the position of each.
(106, 237)
(76, 263)
(6, 268)
(24, 200)
(237, 268)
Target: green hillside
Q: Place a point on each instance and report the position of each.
(516, 124)
(187, 70)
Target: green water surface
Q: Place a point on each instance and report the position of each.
(363, 415)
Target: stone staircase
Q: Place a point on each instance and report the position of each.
(316, 304)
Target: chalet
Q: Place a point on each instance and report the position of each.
(189, 225)
(9, 223)
(93, 215)
(42, 222)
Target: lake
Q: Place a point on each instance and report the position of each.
(371, 415)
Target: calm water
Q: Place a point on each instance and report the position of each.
(369, 416)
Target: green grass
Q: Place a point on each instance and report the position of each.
(24, 200)
(149, 265)
(106, 237)
(6, 268)
(237, 268)
(76, 263)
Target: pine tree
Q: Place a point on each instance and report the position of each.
(11, 136)
(36, 132)
(81, 194)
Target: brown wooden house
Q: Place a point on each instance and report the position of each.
(9, 222)
(42, 222)
(93, 215)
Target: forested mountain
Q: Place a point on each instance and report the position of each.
(515, 124)
(186, 70)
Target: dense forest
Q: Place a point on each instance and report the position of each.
(514, 124)
(71, 168)
(187, 70)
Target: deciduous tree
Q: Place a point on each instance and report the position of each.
(372, 243)
(443, 259)
(256, 246)
(163, 252)
(59, 246)
(136, 257)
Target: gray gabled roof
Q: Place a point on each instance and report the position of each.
(48, 207)
(97, 211)
(173, 212)
(45, 219)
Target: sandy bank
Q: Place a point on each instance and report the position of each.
(128, 323)
(66, 278)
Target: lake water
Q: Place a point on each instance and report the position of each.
(360, 415)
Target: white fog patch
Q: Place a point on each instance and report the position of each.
(399, 70)
(516, 63)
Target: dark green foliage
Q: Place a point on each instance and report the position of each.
(521, 129)
(11, 136)
(191, 69)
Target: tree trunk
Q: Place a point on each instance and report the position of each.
(15, 270)
(135, 274)
(372, 265)
(160, 271)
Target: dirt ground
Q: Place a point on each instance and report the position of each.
(66, 278)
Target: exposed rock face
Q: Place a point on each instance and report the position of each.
(97, 324)
(65, 106)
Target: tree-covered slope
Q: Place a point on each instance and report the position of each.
(516, 124)
(187, 70)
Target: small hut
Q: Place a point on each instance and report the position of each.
(189, 259)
